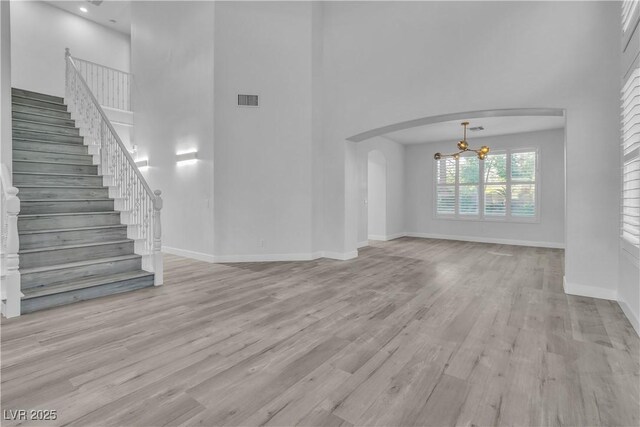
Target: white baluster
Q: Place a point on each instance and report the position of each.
(157, 239)
(11, 280)
(142, 206)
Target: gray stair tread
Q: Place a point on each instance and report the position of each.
(68, 213)
(77, 264)
(65, 200)
(14, 102)
(83, 283)
(31, 113)
(51, 163)
(44, 132)
(20, 97)
(74, 246)
(27, 92)
(51, 153)
(62, 186)
(56, 174)
(41, 123)
(58, 230)
(19, 138)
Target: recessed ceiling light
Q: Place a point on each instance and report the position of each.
(83, 9)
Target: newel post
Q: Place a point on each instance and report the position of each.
(157, 239)
(13, 293)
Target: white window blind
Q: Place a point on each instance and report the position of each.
(523, 184)
(630, 208)
(628, 9)
(469, 183)
(446, 179)
(502, 187)
(495, 185)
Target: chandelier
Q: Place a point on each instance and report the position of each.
(464, 146)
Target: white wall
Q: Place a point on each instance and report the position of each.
(172, 60)
(40, 33)
(395, 187)
(5, 85)
(629, 288)
(376, 195)
(386, 62)
(548, 232)
(263, 161)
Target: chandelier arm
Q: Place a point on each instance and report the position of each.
(463, 146)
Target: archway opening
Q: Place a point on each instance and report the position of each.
(376, 196)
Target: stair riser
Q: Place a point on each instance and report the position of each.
(63, 256)
(45, 127)
(48, 137)
(66, 221)
(45, 147)
(49, 301)
(39, 103)
(21, 166)
(48, 207)
(43, 119)
(43, 240)
(40, 156)
(56, 180)
(38, 110)
(40, 193)
(30, 280)
(36, 95)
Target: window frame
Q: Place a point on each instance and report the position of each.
(632, 156)
(481, 216)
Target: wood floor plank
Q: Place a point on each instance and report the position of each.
(412, 332)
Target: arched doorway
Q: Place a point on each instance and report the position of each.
(376, 196)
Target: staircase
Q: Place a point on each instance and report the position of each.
(73, 245)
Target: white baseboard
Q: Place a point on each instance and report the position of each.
(608, 294)
(188, 254)
(343, 256)
(387, 237)
(589, 291)
(634, 319)
(554, 245)
(265, 257)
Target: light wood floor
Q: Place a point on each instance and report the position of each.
(413, 332)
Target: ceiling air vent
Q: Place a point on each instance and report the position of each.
(476, 128)
(248, 100)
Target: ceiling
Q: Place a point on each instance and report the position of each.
(493, 126)
(120, 11)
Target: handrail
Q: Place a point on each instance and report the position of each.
(10, 289)
(140, 206)
(108, 123)
(102, 66)
(111, 87)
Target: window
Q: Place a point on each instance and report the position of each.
(502, 187)
(630, 208)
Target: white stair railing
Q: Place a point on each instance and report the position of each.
(140, 207)
(111, 87)
(10, 274)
